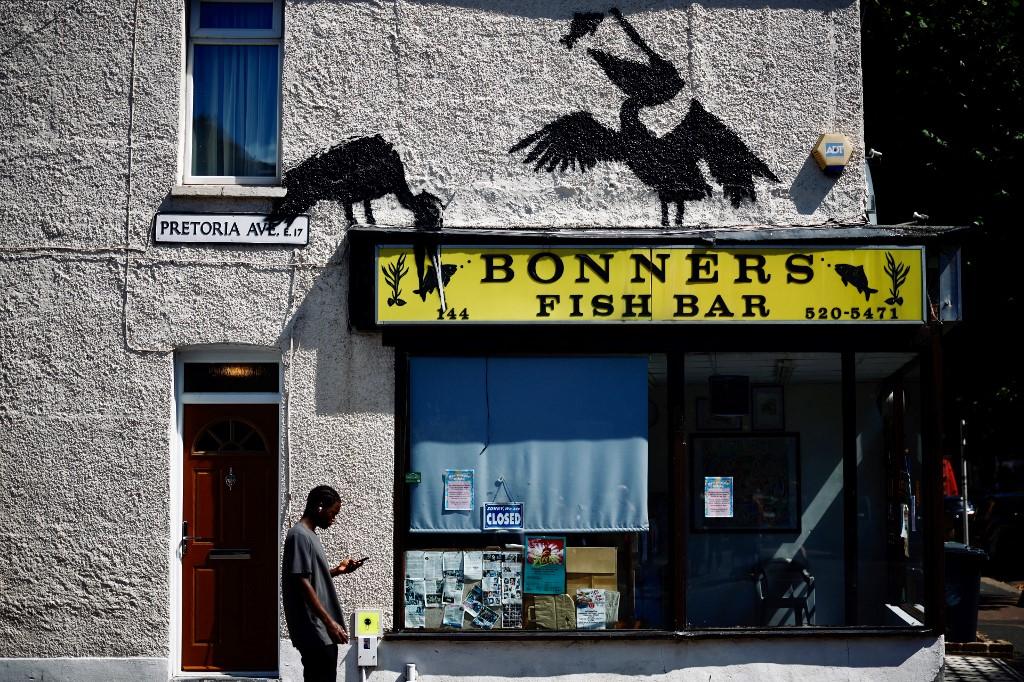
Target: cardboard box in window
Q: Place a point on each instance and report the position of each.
(549, 612)
(591, 568)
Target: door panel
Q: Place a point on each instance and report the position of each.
(229, 571)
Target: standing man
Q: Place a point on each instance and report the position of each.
(311, 608)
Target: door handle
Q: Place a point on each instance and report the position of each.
(185, 538)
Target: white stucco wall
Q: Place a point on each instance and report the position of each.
(92, 313)
(456, 85)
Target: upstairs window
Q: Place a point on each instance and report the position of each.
(233, 89)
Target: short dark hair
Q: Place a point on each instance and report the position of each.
(320, 496)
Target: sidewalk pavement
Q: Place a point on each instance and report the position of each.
(999, 617)
(979, 669)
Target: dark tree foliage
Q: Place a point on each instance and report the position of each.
(944, 104)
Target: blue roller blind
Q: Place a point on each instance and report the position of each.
(567, 435)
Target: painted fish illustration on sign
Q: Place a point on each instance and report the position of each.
(855, 275)
(430, 279)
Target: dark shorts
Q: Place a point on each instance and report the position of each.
(320, 664)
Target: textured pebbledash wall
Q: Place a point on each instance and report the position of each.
(91, 312)
(455, 85)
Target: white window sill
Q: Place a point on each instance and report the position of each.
(239, 191)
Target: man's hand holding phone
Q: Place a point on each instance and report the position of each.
(348, 566)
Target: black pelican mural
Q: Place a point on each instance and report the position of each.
(667, 164)
(361, 170)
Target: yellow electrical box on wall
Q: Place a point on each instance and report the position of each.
(832, 152)
(368, 623)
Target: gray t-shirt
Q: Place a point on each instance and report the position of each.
(304, 556)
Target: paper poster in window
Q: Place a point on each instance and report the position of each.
(590, 609)
(453, 616)
(414, 566)
(544, 572)
(415, 617)
(512, 616)
(458, 490)
(432, 566)
(415, 593)
(487, 619)
(718, 497)
(472, 566)
(473, 604)
(433, 595)
(452, 593)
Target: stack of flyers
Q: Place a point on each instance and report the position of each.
(487, 619)
(473, 603)
(453, 616)
(512, 616)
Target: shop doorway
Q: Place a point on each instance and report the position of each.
(229, 548)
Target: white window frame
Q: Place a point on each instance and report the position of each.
(230, 36)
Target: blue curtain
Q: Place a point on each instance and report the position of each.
(234, 110)
(567, 435)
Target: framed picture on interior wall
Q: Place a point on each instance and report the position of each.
(709, 422)
(745, 482)
(767, 408)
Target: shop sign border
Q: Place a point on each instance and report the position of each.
(452, 315)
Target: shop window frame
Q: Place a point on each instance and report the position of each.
(523, 341)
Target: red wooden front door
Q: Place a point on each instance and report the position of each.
(229, 561)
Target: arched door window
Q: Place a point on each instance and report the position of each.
(229, 436)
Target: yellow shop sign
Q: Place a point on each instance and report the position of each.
(568, 284)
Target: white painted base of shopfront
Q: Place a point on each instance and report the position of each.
(83, 669)
(861, 658)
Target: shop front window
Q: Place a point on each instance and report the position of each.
(736, 490)
(567, 457)
(765, 542)
(890, 456)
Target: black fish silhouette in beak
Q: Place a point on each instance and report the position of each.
(430, 279)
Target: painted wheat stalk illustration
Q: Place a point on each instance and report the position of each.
(897, 276)
(393, 274)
